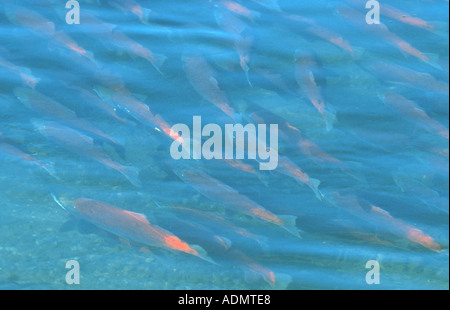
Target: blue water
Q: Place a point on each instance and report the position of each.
(387, 161)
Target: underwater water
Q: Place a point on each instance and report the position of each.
(87, 173)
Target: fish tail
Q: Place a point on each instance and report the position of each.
(50, 168)
(314, 184)
(432, 60)
(281, 282)
(132, 175)
(330, 117)
(262, 242)
(225, 242)
(158, 60)
(289, 224)
(146, 15)
(203, 254)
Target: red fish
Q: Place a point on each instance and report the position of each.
(128, 225)
(49, 107)
(216, 221)
(24, 73)
(239, 9)
(78, 143)
(376, 215)
(135, 49)
(293, 135)
(412, 112)
(222, 193)
(287, 167)
(43, 27)
(201, 76)
(386, 71)
(394, 13)
(16, 154)
(251, 268)
(304, 74)
(140, 111)
(311, 27)
(132, 7)
(381, 31)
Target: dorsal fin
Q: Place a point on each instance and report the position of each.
(140, 217)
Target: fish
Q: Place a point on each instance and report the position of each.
(25, 73)
(240, 9)
(201, 76)
(31, 20)
(310, 26)
(387, 71)
(78, 143)
(132, 7)
(305, 65)
(394, 13)
(94, 101)
(134, 48)
(45, 28)
(66, 41)
(287, 167)
(138, 110)
(128, 225)
(48, 107)
(381, 31)
(292, 135)
(376, 215)
(413, 113)
(15, 153)
(238, 29)
(253, 268)
(218, 222)
(194, 232)
(215, 190)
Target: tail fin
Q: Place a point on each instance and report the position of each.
(330, 117)
(282, 281)
(315, 187)
(132, 175)
(157, 61)
(289, 224)
(225, 242)
(203, 254)
(50, 168)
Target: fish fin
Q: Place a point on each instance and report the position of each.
(315, 187)
(203, 254)
(50, 168)
(330, 117)
(146, 15)
(282, 281)
(132, 175)
(224, 241)
(262, 242)
(353, 169)
(214, 81)
(433, 60)
(290, 224)
(139, 216)
(159, 61)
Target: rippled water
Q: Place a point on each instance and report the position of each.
(73, 122)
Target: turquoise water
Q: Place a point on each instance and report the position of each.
(73, 122)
